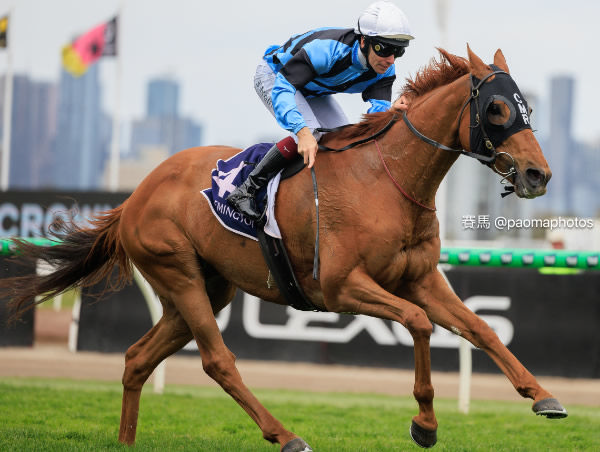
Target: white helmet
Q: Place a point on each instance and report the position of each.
(384, 20)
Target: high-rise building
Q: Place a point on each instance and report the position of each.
(33, 125)
(83, 133)
(163, 126)
(560, 144)
(163, 98)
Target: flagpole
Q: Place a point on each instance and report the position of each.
(8, 87)
(114, 149)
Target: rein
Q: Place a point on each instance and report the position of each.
(428, 140)
(373, 138)
(471, 99)
(387, 127)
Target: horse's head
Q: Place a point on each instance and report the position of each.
(495, 128)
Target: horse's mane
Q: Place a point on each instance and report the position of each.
(437, 73)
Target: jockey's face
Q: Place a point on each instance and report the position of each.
(379, 64)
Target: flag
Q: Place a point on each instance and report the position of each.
(3, 32)
(89, 47)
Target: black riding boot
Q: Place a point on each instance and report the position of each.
(243, 198)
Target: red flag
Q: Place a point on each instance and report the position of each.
(89, 47)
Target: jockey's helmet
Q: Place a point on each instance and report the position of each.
(385, 23)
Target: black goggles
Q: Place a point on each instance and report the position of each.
(384, 50)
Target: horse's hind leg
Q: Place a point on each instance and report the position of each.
(447, 310)
(219, 362)
(194, 296)
(168, 336)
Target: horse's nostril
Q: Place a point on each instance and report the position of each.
(535, 177)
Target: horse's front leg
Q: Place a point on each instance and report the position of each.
(360, 294)
(444, 308)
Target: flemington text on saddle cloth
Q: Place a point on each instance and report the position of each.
(228, 175)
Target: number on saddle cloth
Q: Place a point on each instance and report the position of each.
(232, 172)
(226, 177)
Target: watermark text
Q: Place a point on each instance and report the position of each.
(501, 223)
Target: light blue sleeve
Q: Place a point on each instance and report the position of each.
(378, 105)
(284, 105)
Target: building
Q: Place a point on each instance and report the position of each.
(575, 165)
(163, 126)
(33, 126)
(133, 171)
(175, 134)
(560, 144)
(83, 134)
(162, 98)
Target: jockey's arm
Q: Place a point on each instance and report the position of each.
(297, 72)
(288, 117)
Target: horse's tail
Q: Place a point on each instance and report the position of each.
(82, 257)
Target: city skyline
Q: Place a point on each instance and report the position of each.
(214, 54)
(163, 129)
(61, 135)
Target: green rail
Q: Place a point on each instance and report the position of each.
(481, 257)
(521, 258)
(7, 248)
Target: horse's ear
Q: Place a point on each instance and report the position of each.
(500, 61)
(478, 68)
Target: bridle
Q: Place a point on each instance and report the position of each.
(489, 158)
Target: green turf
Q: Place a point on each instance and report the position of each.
(58, 415)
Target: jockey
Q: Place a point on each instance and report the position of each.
(295, 82)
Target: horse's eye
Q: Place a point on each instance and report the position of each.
(497, 113)
(494, 109)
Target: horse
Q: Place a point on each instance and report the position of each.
(379, 247)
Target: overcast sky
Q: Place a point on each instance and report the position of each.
(212, 48)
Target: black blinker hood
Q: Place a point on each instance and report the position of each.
(485, 136)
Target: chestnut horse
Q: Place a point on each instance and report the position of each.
(379, 248)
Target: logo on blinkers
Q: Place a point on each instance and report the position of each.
(522, 108)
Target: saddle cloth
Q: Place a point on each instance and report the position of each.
(226, 177)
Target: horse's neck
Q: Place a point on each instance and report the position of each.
(420, 166)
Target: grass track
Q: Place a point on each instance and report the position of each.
(59, 415)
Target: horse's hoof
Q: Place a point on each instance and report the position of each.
(296, 445)
(423, 437)
(551, 408)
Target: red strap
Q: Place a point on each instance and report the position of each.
(406, 195)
